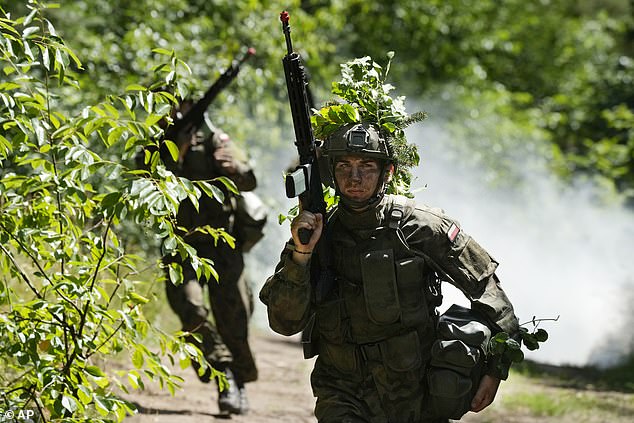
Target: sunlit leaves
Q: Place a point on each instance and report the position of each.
(508, 350)
(68, 281)
(365, 94)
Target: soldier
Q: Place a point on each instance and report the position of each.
(374, 321)
(206, 153)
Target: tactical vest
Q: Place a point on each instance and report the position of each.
(381, 306)
(198, 164)
(382, 312)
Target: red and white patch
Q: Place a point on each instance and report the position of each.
(453, 232)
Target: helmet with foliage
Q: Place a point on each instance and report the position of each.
(363, 139)
(365, 119)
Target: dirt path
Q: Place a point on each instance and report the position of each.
(282, 393)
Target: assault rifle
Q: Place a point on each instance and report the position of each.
(195, 116)
(305, 181)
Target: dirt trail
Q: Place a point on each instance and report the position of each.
(282, 393)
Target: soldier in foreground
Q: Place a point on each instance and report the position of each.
(364, 285)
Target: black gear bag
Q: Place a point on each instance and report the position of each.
(457, 361)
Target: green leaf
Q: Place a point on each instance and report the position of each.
(69, 403)
(137, 359)
(137, 299)
(541, 335)
(211, 191)
(173, 149)
(101, 406)
(175, 274)
(163, 51)
(110, 199)
(530, 342)
(84, 394)
(134, 380)
(135, 87)
(95, 371)
(516, 355)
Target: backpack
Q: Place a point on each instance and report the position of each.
(249, 219)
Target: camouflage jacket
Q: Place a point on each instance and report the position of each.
(425, 232)
(198, 163)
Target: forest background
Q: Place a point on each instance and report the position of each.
(545, 86)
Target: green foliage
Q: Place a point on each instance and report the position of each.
(509, 350)
(565, 65)
(69, 287)
(366, 97)
(512, 78)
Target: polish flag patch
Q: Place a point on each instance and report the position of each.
(453, 232)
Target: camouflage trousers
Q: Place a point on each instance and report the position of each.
(224, 328)
(376, 394)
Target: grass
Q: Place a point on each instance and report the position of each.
(619, 378)
(565, 402)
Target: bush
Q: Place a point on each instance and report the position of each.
(69, 277)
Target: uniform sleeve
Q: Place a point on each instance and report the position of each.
(287, 295)
(469, 267)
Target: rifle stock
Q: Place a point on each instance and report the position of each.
(305, 181)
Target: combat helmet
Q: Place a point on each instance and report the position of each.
(365, 140)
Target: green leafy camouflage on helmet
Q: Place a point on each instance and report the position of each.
(364, 97)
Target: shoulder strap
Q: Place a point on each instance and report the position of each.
(401, 208)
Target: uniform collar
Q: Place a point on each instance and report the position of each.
(367, 219)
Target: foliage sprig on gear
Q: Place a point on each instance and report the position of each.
(364, 96)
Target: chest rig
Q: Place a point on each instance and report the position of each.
(381, 288)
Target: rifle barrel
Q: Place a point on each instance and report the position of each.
(285, 18)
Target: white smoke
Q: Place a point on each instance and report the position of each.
(560, 253)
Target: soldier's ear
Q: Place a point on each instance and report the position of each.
(390, 173)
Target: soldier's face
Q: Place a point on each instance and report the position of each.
(357, 177)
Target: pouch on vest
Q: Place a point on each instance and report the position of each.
(449, 392)
(402, 353)
(329, 321)
(411, 289)
(379, 286)
(344, 357)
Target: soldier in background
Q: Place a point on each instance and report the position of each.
(206, 153)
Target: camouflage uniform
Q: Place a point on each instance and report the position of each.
(375, 327)
(224, 344)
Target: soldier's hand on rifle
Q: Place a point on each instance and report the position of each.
(310, 221)
(223, 154)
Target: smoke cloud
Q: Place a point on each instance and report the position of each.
(561, 253)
